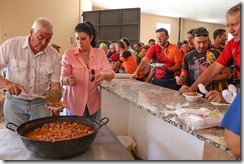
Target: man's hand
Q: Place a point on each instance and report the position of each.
(180, 80)
(215, 96)
(134, 75)
(185, 88)
(15, 89)
(55, 108)
(55, 112)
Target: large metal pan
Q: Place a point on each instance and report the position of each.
(58, 149)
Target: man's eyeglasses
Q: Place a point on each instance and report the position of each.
(201, 34)
(93, 75)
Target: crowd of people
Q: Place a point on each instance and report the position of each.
(33, 66)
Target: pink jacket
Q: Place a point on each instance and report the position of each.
(84, 92)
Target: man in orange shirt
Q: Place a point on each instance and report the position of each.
(166, 53)
(127, 63)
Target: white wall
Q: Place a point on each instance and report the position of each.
(17, 16)
(149, 22)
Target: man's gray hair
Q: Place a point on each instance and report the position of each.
(234, 9)
(42, 23)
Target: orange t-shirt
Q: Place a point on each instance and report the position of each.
(169, 56)
(128, 62)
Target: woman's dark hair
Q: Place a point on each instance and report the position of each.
(89, 29)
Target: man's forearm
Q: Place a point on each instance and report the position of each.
(3, 82)
(206, 77)
(141, 66)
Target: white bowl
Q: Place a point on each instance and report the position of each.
(190, 97)
(159, 65)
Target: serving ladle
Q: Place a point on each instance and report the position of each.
(202, 88)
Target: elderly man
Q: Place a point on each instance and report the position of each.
(33, 66)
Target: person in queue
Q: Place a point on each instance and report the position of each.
(230, 52)
(196, 62)
(104, 47)
(84, 68)
(231, 123)
(126, 63)
(127, 46)
(220, 38)
(166, 53)
(151, 42)
(112, 54)
(190, 40)
(137, 48)
(33, 67)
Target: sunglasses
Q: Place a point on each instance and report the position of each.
(93, 75)
(201, 34)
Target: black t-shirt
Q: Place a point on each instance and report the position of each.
(196, 63)
(126, 54)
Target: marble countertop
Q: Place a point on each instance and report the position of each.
(154, 99)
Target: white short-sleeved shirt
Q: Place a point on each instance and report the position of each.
(33, 72)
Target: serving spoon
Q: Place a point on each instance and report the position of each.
(232, 89)
(52, 95)
(202, 88)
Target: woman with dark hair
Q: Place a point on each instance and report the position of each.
(84, 68)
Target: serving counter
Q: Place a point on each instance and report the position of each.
(138, 109)
(106, 146)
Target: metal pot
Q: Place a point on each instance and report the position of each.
(59, 149)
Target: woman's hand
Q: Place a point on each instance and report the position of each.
(69, 80)
(99, 78)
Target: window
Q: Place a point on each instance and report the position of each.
(163, 25)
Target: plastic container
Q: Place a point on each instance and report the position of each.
(130, 145)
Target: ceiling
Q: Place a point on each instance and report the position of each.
(211, 11)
